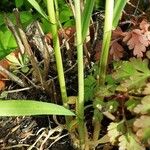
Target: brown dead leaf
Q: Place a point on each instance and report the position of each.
(141, 124)
(117, 33)
(2, 85)
(146, 90)
(144, 25)
(127, 36)
(136, 41)
(116, 51)
(66, 33)
(4, 63)
(147, 35)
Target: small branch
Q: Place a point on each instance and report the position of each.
(28, 50)
(19, 90)
(12, 77)
(12, 28)
(46, 54)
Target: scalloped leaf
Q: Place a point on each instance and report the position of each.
(129, 142)
(146, 90)
(144, 107)
(131, 104)
(132, 75)
(142, 126)
(89, 86)
(142, 122)
(115, 130)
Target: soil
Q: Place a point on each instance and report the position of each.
(20, 133)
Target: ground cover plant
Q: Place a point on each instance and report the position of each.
(83, 64)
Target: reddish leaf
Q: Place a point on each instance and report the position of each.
(136, 41)
(4, 63)
(128, 35)
(117, 33)
(144, 25)
(98, 47)
(66, 33)
(116, 51)
(2, 85)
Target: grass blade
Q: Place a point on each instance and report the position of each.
(38, 8)
(119, 6)
(31, 107)
(86, 16)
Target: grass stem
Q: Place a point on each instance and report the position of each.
(80, 102)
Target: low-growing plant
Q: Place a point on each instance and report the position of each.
(120, 98)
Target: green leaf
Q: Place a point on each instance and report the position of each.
(86, 16)
(69, 23)
(25, 69)
(19, 3)
(7, 43)
(99, 5)
(130, 74)
(38, 8)
(112, 105)
(89, 85)
(29, 107)
(65, 15)
(146, 135)
(119, 6)
(142, 122)
(7, 40)
(128, 141)
(131, 104)
(1, 19)
(26, 17)
(146, 90)
(106, 90)
(144, 107)
(13, 59)
(115, 130)
(45, 25)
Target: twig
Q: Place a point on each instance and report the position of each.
(32, 83)
(46, 51)
(18, 90)
(12, 76)
(12, 28)
(29, 51)
(16, 146)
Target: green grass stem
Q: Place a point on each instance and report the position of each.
(106, 40)
(59, 63)
(80, 102)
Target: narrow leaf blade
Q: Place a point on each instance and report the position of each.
(31, 107)
(38, 8)
(86, 16)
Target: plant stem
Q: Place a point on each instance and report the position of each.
(119, 6)
(80, 102)
(59, 64)
(86, 16)
(103, 61)
(106, 41)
